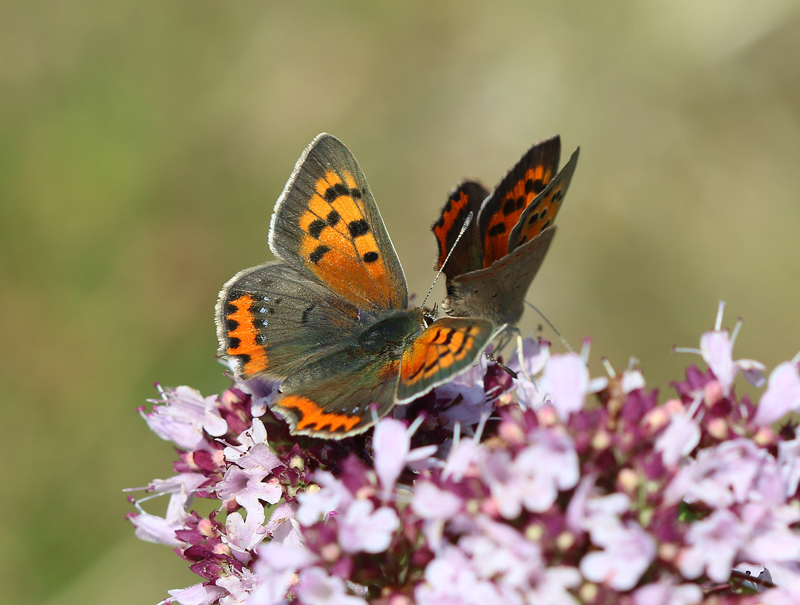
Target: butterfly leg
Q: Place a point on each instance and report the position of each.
(503, 342)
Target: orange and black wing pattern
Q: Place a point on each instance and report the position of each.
(273, 321)
(327, 224)
(502, 210)
(541, 212)
(468, 254)
(445, 349)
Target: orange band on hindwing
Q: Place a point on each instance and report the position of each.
(312, 416)
(241, 333)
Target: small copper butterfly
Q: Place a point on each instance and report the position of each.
(330, 317)
(490, 271)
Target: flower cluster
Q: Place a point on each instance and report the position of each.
(551, 488)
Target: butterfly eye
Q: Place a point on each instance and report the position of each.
(428, 318)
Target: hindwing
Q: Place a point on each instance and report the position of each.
(541, 212)
(272, 320)
(450, 346)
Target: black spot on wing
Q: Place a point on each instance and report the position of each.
(358, 228)
(341, 190)
(498, 229)
(333, 218)
(370, 257)
(316, 227)
(318, 253)
(536, 186)
(335, 191)
(306, 313)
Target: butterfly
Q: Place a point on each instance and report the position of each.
(489, 272)
(330, 317)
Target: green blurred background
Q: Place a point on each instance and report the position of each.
(143, 144)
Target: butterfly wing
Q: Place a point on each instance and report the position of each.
(497, 293)
(339, 406)
(449, 347)
(468, 255)
(273, 320)
(326, 224)
(541, 212)
(501, 211)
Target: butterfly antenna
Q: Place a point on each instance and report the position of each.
(552, 327)
(467, 221)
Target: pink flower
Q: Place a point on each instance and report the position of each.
(199, 594)
(391, 443)
(362, 528)
(188, 482)
(566, 381)
(628, 552)
(461, 457)
(282, 526)
(158, 530)
(680, 437)
(451, 579)
(712, 546)
(535, 354)
(770, 539)
(789, 463)
(501, 553)
(475, 400)
(316, 587)
(277, 565)
(183, 417)
(787, 592)
(430, 502)
(552, 587)
(246, 485)
(716, 348)
(243, 536)
(239, 584)
(782, 395)
(666, 592)
(322, 502)
(534, 477)
(719, 476)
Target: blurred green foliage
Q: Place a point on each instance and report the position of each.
(143, 144)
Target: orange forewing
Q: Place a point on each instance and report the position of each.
(513, 203)
(502, 209)
(338, 243)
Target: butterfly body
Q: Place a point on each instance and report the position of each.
(498, 291)
(330, 317)
(490, 271)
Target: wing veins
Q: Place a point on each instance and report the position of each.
(355, 172)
